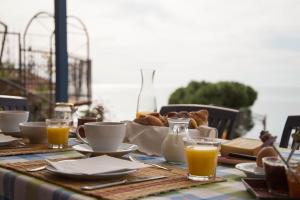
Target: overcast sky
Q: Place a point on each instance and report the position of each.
(214, 40)
(256, 42)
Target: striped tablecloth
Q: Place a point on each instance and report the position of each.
(18, 187)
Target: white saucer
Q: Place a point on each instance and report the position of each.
(7, 140)
(124, 149)
(251, 170)
(111, 175)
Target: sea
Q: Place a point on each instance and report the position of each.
(273, 102)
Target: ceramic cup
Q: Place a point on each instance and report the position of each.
(9, 120)
(83, 120)
(36, 132)
(103, 136)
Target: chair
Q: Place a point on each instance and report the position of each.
(292, 123)
(223, 119)
(13, 103)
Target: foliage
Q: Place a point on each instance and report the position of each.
(95, 111)
(225, 93)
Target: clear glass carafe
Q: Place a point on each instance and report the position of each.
(65, 110)
(173, 146)
(146, 100)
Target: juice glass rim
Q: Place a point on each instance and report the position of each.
(57, 122)
(201, 141)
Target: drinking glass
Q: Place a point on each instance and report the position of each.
(294, 183)
(276, 179)
(146, 100)
(58, 133)
(202, 158)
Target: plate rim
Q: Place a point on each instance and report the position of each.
(237, 166)
(136, 147)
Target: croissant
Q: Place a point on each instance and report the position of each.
(149, 120)
(201, 117)
(155, 119)
(193, 124)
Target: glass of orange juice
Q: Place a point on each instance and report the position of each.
(58, 133)
(202, 158)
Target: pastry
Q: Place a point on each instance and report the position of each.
(265, 152)
(172, 114)
(149, 120)
(193, 124)
(155, 119)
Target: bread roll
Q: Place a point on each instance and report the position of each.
(183, 114)
(149, 120)
(155, 114)
(164, 120)
(172, 114)
(155, 119)
(193, 124)
(264, 152)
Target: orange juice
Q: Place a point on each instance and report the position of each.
(58, 135)
(201, 160)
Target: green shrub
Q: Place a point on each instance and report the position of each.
(228, 94)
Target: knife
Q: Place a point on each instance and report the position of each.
(124, 181)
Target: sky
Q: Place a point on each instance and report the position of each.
(256, 42)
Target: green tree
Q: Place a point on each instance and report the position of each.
(228, 94)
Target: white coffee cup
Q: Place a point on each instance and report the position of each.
(103, 136)
(9, 120)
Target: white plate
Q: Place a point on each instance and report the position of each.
(7, 140)
(251, 170)
(111, 175)
(121, 151)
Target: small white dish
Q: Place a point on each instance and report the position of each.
(110, 175)
(251, 170)
(36, 132)
(123, 149)
(7, 140)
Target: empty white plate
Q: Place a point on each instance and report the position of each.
(251, 170)
(123, 149)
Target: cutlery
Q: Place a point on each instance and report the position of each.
(35, 169)
(152, 164)
(124, 181)
(244, 156)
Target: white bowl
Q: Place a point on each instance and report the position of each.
(36, 132)
(9, 120)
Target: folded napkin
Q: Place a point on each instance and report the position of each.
(95, 165)
(6, 138)
(150, 138)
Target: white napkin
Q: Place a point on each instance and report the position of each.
(150, 138)
(6, 138)
(203, 132)
(95, 165)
